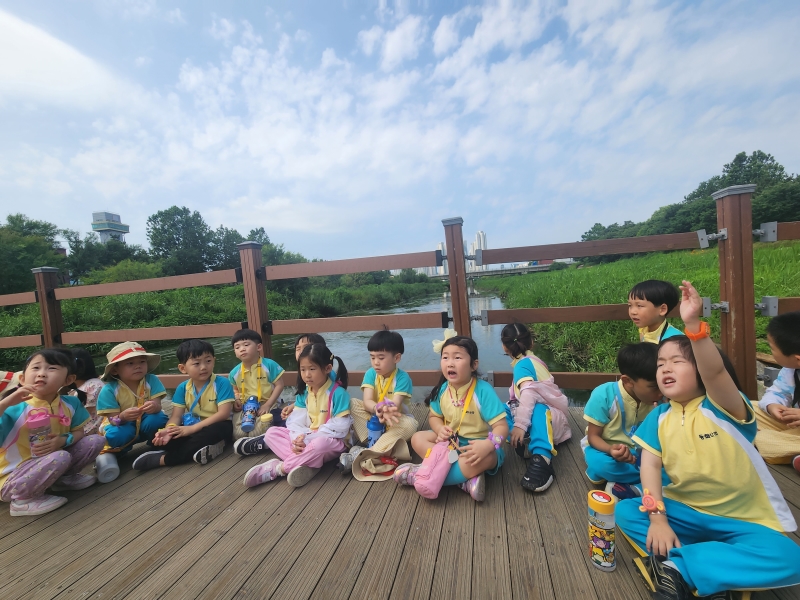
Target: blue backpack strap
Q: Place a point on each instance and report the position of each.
(199, 395)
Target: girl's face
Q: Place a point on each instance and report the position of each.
(313, 375)
(45, 378)
(457, 366)
(301, 343)
(676, 375)
(133, 369)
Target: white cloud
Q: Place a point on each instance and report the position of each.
(142, 61)
(445, 38)
(175, 16)
(222, 29)
(135, 9)
(403, 42)
(368, 39)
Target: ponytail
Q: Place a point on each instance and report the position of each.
(517, 339)
(321, 356)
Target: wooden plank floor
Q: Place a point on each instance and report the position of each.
(196, 532)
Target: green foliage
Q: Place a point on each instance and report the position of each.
(559, 266)
(593, 346)
(359, 279)
(224, 251)
(126, 270)
(181, 238)
(22, 225)
(410, 276)
(21, 251)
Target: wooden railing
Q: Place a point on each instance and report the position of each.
(736, 289)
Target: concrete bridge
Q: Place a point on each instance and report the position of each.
(497, 272)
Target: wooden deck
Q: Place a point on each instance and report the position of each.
(197, 532)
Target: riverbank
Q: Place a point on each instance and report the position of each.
(593, 346)
(197, 306)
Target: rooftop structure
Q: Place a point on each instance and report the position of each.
(109, 226)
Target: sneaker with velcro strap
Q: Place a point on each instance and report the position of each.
(250, 446)
(208, 453)
(539, 474)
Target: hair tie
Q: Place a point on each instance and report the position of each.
(332, 357)
(438, 345)
(515, 339)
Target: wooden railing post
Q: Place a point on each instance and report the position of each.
(456, 268)
(736, 287)
(255, 292)
(49, 308)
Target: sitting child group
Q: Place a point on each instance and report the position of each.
(674, 428)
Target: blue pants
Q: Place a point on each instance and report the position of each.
(718, 553)
(125, 434)
(540, 431)
(601, 466)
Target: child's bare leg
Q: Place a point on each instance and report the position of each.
(469, 471)
(422, 441)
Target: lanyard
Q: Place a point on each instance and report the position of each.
(140, 395)
(385, 389)
(258, 379)
(467, 400)
(621, 406)
(197, 395)
(63, 419)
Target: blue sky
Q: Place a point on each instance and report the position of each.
(350, 128)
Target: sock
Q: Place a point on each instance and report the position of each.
(669, 563)
(280, 470)
(546, 454)
(454, 476)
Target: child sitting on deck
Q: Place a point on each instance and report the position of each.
(537, 408)
(649, 303)
(468, 427)
(317, 427)
(254, 376)
(36, 456)
(387, 392)
(200, 423)
(87, 388)
(778, 412)
(719, 524)
(613, 413)
(130, 402)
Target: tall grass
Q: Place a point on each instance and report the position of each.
(593, 346)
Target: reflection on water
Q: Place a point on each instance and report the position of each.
(352, 346)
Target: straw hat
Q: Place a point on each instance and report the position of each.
(9, 380)
(126, 350)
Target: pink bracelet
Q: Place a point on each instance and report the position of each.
(497, 440)
(384, 404)
(115, 420)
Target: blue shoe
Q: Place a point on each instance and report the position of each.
(622, 491)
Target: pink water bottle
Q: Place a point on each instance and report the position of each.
(38, 423)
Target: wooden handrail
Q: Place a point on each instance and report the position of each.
(147, 285)
(789, 231)
(562, 314)
(432, 320)
(790, 304)
(355, 265)
(645, 243)
(22, 341)
(178, 332)
(21, 298)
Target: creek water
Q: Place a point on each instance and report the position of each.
(352, 346)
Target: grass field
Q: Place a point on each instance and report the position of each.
(593, 346)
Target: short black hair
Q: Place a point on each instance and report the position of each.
(311, 338)
(656, 292)
(685, 348)
(246, 334)
(785, 332)
(386, 341)
(58, 357)
(638, 361)
(193, 349)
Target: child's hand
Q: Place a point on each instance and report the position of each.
(790, 416)
(444, 434)
(389, 415)
(776, 410)
(621, 453)
(161, 438)
(286, 411)
(476, 451)
(517, 435)
(54, 442)
(691, 306)
(18, 396)
(150, 407)
(299, 444)
(237, 405)
(130, 414)
(660, 537)
(262, 410)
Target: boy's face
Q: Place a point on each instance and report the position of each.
(198, 368)
(646, 392)
(646, 314)
(133, 369)
(791, 361)
(384, 362)
(247, 351)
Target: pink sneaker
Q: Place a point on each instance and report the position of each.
(73, 482)
(796, 463)
(405, 473)
(36, 506)
(263, 473)
(475, 487)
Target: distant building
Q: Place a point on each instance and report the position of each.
(109, 226)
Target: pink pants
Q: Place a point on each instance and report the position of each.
(317, 452)
(33, 476)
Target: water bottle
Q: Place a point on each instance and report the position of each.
(375, 430)
(38, 422)
(602, 545)
(249, 414)
(106, 467)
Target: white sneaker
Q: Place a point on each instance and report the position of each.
(36, 506)
(208, 453)
(77, 481)
(301, 476)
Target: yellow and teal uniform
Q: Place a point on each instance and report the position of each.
(611, 407)
(116, 397)
(722, 502)
(15, 445)
(217, 392)
(256, 381)
(485, 410)
(398, 383)
(664, 331)
(320, 404)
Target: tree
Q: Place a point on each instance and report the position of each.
(181, 238)
(779, 203)
(126, 270)
(25, 227)
(223, 251)
(21, 253)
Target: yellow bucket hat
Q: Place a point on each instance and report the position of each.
(127, 350)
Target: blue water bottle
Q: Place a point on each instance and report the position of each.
(375, 430)
(249, 414)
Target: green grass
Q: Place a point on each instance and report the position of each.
(593, 346)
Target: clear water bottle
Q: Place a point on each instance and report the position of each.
(38, 423)
(375, 430)
(249, 414)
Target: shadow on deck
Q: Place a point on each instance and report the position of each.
(197, 532)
